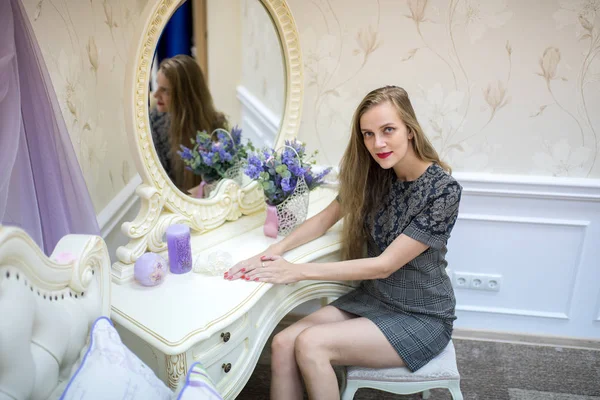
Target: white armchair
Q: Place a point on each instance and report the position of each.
(47, 306)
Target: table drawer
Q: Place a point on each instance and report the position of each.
(221, 341)
(228, 364)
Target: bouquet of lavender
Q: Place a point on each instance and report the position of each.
(279, 172)
(213, 155)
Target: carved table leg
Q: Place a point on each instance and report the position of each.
(176, 369)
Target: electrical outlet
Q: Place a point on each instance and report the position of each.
(461, 280)
(467, 280)
(493, 283)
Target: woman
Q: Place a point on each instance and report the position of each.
(184, 106)
(397, 198)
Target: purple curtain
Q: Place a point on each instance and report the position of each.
(41, 185)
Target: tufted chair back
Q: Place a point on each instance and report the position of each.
(47, 306)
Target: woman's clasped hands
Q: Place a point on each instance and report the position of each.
(265, 268)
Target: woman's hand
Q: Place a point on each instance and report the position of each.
(274, 269)
(239, 270)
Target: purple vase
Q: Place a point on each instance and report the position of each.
(271, 227)
(200, 192)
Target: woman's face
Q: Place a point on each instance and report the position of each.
(162, 93)
(386, 136)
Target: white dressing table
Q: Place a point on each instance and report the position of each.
(223, 324)
(192, 317)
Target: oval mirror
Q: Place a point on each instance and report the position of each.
(217, 84)
(236, 66)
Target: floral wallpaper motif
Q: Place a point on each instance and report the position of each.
(85, 46)
(263, 71)
(503, 86)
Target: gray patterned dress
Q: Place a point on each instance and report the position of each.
(159, 126)
(414, 306)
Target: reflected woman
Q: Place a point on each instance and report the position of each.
(184, 106)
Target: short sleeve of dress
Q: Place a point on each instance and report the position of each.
(432, 226)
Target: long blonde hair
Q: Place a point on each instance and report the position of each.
(363, 183)
(192, 109)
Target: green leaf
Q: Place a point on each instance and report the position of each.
(281, 169)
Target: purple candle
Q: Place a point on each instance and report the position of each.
(180, 249)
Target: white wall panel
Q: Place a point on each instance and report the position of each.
(542, 235)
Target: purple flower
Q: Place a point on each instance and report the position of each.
(296, 170)
(278, 171)
(185, 153)
(252, 171)
(268, 153)
(236, 133)
(207, 158)
(308, 178)
(254, 160)
(287, 186)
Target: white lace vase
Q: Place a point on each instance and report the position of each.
(292, 212)
(236, 173)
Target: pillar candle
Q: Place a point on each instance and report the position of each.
(180, 249)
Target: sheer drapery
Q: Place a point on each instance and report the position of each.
(42, 189)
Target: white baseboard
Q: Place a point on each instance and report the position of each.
(259, 123)
(111, 216)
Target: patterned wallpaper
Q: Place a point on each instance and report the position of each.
(502, 86)
(86, 47)
(263, 69)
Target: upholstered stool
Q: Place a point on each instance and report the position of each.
(441, 372)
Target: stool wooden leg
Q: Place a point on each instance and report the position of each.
(349, 390)
(425, 395)
(454, 388)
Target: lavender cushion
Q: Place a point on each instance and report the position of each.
(109, 370)
(198, 385)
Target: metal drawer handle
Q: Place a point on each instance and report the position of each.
(226, 367)
(225, 336)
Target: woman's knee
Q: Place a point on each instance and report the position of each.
(283, 344)
(309, 346)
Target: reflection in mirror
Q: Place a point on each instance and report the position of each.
(184, 106)
(218, 65)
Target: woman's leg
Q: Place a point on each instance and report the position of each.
(357, 341)
(286, 383)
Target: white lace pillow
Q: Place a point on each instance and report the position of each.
(109, 370)
(198, 385)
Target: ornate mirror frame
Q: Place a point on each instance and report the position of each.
(162, 204)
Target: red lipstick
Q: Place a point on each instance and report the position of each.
(384, 155)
